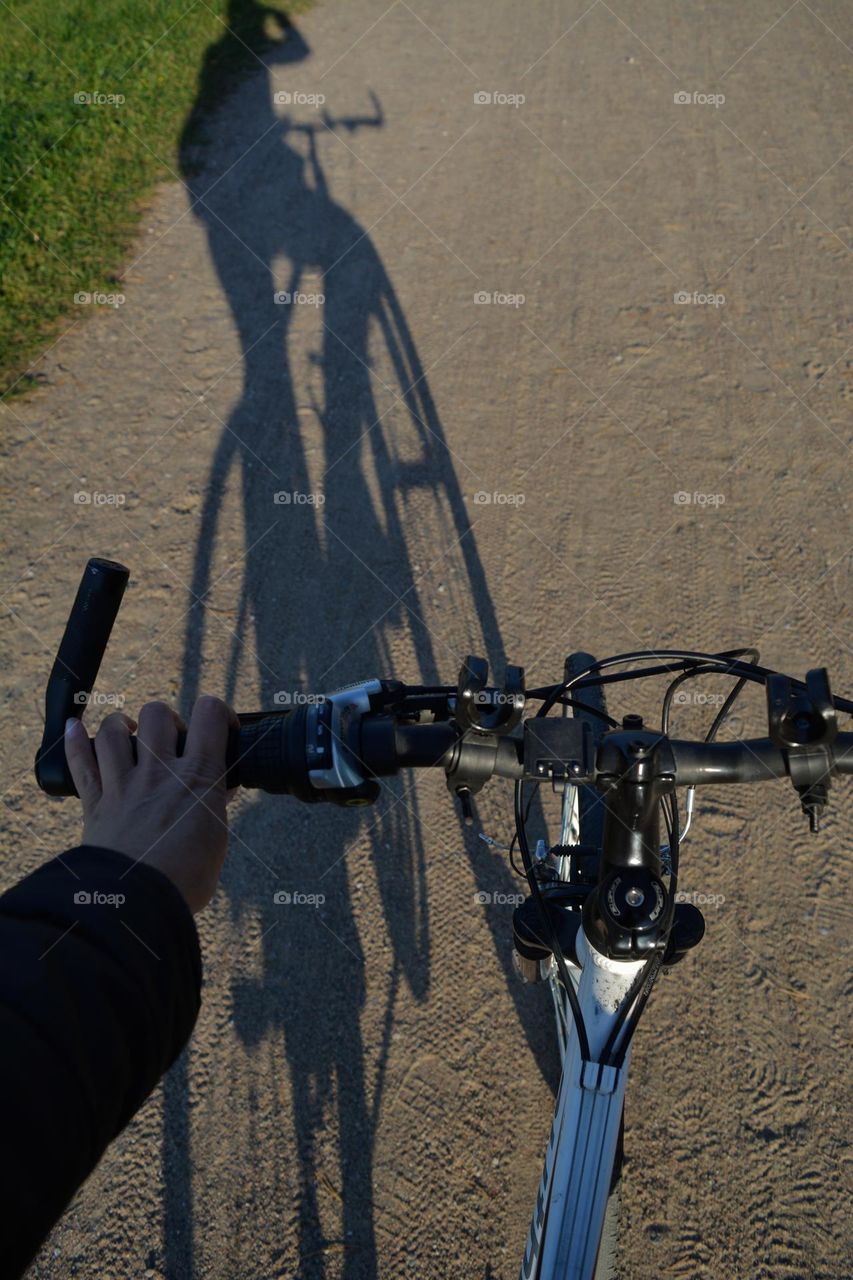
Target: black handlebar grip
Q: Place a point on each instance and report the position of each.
(76, 667)
(90, 622)
(269, 754)
(266, 753)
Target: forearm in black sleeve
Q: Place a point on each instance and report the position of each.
(100, 978)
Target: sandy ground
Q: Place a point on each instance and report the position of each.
(367, 1093)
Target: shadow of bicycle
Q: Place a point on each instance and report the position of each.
(348, 496)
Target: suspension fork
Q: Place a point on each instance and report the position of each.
(563, 1240)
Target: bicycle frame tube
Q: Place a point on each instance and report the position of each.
(567, 1223)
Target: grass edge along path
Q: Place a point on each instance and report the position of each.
(95, 96)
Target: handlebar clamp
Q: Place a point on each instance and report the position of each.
(488, 711)
(483, 715)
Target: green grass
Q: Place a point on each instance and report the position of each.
(73, 174)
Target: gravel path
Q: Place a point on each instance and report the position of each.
(362, 1097)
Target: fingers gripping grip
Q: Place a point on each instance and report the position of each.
(268, 751)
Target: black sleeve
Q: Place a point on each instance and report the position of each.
(100, 980)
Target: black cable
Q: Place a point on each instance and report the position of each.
(607, 1053)
(648, 974)
(553, 941)
(734, 694)
(722, 714)
(699, 670)
(656, 962)
(594, 675)
(674, 852)
(593, 711)
(585, 679)
(639, 991)
(681, 658)
(675, 684)
(666, 804)
(519, 871)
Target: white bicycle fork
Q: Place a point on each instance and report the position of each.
(569, 1216)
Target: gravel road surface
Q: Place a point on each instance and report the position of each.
(565, 365)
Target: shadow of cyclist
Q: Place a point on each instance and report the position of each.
(346, 502)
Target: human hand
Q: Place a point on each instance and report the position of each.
(165, 810)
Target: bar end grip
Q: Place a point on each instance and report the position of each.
(76, 667)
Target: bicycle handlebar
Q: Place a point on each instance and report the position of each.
(336, 746)
(270, 753)
(696, 763)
